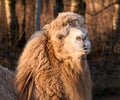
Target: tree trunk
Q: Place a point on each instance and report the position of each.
(47, 12)
(58, 7)
(8, 13)
(3, 20)
(30, 17)
(116, 18)
(38, 10)
(77, 6)
(11, 20)
(20, 13)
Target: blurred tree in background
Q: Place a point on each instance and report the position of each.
(19, 19)
(58, 7)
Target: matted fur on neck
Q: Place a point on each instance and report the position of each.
(75, 76)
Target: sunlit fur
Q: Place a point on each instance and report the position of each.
(50, 67)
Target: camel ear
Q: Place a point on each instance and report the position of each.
(32, 57)
(46, 26)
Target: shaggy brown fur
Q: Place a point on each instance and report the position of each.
(7, 84)
(46, 72)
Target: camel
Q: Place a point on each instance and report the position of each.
(53, 64)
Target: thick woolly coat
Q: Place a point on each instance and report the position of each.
(42, 75)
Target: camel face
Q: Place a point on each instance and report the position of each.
(72, 42)
(76, 43)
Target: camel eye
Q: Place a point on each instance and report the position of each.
(70, 24)
(78, 38)
(60, 37)
(64, 24)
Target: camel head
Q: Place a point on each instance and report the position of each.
(68, 36)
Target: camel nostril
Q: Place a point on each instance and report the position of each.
(78, 38)
(85, 48)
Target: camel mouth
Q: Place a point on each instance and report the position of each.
(84, 51)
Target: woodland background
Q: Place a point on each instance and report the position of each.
(19, 19)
